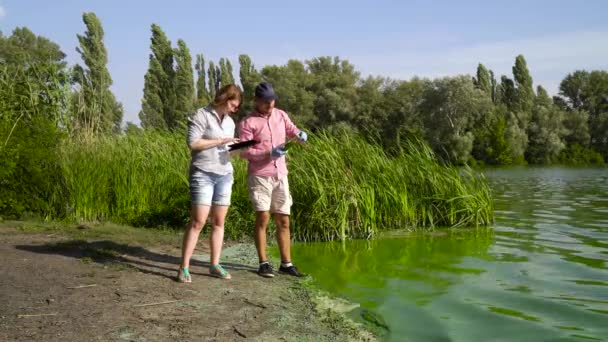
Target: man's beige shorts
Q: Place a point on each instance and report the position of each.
(269, 194)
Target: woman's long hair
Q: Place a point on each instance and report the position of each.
(227, 93)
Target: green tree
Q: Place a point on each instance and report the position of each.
(483, 80)
(508, 95)
(213, 80)
(184, 86)
(159, 86)
(573, 88)
(202, 94)
(560, 102)
(101, 112)
(292, 84)
(494, 87)
(249, 77)
(588, 91)
(132, 129)
(451, 109)
(486, 146)
(333, 81)
(542, 98)
(515, 131)
(34, 102)
(524, 93)
(516, 138)
(226, 76)
(576, 122)
(33, 70)
(546, 130)
(401, 104)
(371, 109)
(498, 153)
(525, 87)
(151, 114)
(25, 49)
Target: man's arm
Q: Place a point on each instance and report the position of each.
(291, 130)
(251, 153)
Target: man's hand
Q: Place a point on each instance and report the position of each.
(302, 136)
(278, 152)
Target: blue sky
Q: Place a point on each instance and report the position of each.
(398, 39)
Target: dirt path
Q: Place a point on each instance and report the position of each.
(54, 288)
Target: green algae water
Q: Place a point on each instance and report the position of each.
(540, 273)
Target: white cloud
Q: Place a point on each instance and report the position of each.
(549, 58)
(2, 11)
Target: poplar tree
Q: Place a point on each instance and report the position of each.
(211, 74)
(524, 90)
(226, 76)
(184, 86)
(483, 81)
(202, 94)
(99, 110)
(249, 77)
(159, 88)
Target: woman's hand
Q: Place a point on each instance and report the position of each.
(224, 141)
(205, 144)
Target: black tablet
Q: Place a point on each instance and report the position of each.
(242, 144)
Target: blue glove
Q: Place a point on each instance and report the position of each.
(278, 151)
(302, 136)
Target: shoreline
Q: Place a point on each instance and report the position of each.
(331, 309)
(66, 282)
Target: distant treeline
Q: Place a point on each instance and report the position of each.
(465, 119)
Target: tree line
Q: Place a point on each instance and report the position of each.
(483, 118)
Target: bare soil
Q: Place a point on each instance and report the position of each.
(55, 287)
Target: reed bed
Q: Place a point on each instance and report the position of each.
(343, 187)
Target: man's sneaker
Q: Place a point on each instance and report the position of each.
(265, 270)
(291, 270)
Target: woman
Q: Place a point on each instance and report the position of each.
(210, 129)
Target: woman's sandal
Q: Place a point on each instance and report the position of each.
(219, 271)
(183, 275)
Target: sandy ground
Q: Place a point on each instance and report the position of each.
(56, 288)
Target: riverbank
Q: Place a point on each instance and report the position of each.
(105, 282)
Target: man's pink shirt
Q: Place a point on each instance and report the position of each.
(271, 130)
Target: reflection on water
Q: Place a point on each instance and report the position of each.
(541, 274)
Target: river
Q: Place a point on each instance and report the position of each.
(539, 274)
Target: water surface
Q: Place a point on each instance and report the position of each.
(539, 275)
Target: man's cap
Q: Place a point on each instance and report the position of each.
(264, 91)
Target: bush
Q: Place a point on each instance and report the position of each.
(579, 155)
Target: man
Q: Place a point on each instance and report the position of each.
(267, 174)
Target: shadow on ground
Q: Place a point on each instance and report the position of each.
(111, 253)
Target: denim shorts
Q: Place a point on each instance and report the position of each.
(208, 188)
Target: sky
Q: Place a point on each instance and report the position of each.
(396, 39)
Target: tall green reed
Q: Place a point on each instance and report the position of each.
(343, 187)
(136, 179)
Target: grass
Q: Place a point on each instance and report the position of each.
(134, 179)
(354, 189)
(343, 187)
